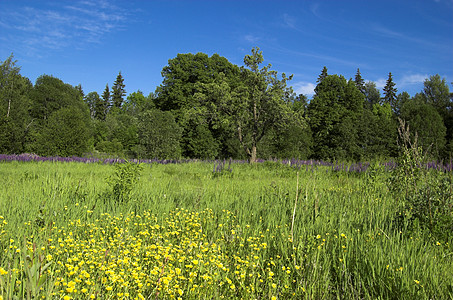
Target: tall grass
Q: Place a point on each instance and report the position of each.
(344, 243)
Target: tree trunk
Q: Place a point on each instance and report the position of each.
(9, 108)
(254, 134)
(253, 155)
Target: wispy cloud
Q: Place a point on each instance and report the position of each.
(322, 58)
(289, 21)
(37, 29)
(314, 8)
(304, 88)
(401, 36)
(413, 79)
(380, 82)
(404, 82)
(251, 38)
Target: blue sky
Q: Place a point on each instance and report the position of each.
(89, 42)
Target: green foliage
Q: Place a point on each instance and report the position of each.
(60, 122)
(293, 141)
(123, 180)
(359, 82)
(14, 107)
(105, 103)
(51, 94)
(184, 72)
(437, 93)
(186, 78)
(200, 143)
(159, 134)
(322, 75)
(260, 105)
(402, 99)
(137, 103)
(372, 95)
(35, 267)
(425, 197)
(113, 147)
(390, 94)
(93, 100)
(424, 120)
(334, 117)
(123, 128)
(344, 242)
(222, 110)
(378, 132)
(118, 91)
(65, 133)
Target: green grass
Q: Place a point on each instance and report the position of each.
(346, 244)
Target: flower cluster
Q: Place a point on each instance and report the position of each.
(180, 255)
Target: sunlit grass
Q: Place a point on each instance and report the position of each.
(186, 234)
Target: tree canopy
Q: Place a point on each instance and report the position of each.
(206, 107)
(334, 114)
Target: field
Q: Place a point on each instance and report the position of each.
(71, 230)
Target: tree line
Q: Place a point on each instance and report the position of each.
(207, 107)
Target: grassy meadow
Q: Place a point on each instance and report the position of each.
(181, 231)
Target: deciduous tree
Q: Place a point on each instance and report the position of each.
(372, 95)
(184, 77)
(424, 120)
(334, 115)
(159, 134)
(66, 133)
(14, 107)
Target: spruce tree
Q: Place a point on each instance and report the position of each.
(359, 82)
(80, 89)
(390, 94)
(106, 97)
(118, 91)
(322, 75)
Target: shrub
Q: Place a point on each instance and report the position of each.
(123, 180)
(425, 195)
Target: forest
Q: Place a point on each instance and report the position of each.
(206, 107)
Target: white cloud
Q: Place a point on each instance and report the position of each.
(76, 25)
(304, 88)
(413, 79)
(314, 8)
(401, 36)
(289, 21)
(251, 38)
(380, 83)
(409, 81)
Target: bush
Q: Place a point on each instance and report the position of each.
(425, 195)
(123, 180)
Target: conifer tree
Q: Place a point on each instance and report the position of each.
(359, 82)
(80, 89)
(390, 94)
(118, 91)
(106, 98)
(322, 75)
